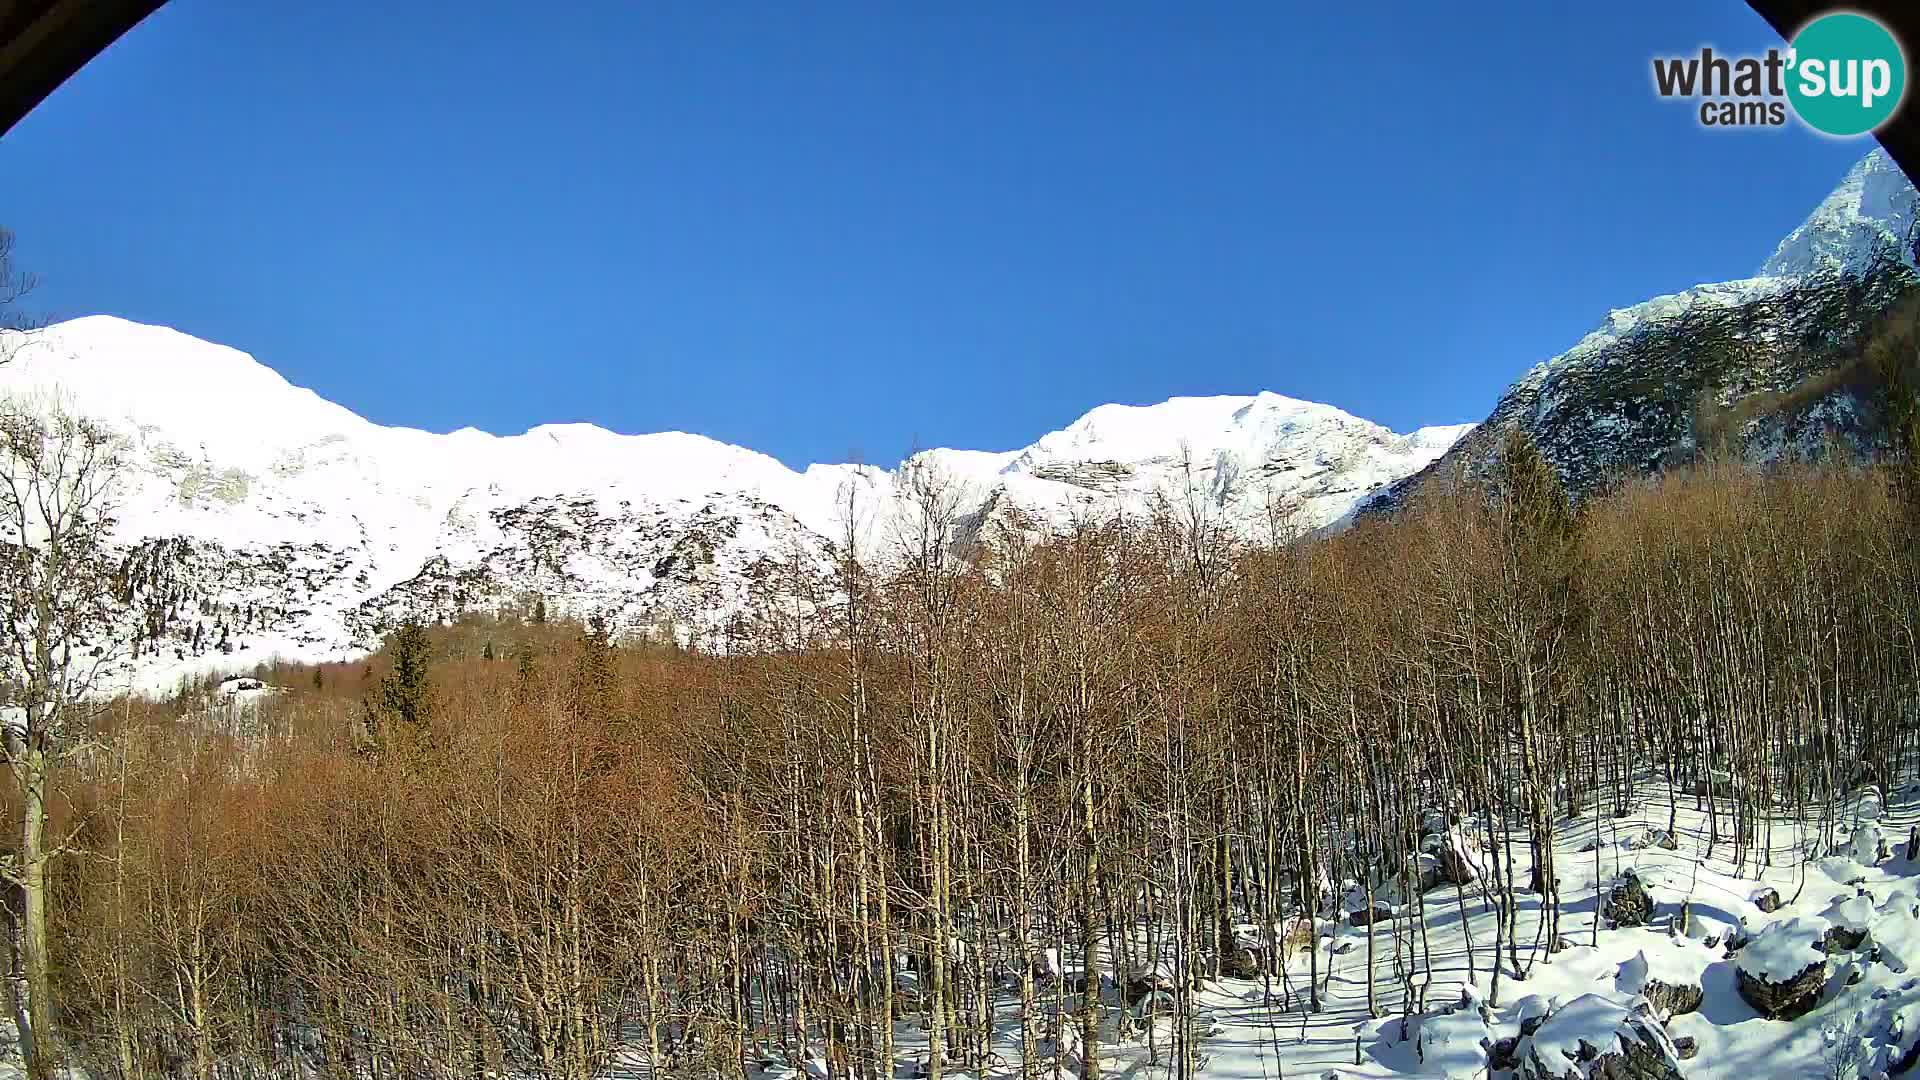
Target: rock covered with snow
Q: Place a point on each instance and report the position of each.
(1367, 915)
(1455, 1042)
(1851, 918)
(1461, 857)
(1598, 1037)
(1669, 973)
(1866, 845)
(1843, 869)
(1650, 837)
(1870, 215)
(1896, 933)
(1781, 971)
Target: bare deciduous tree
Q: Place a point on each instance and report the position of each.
(58, 475)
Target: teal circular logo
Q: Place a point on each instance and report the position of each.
(1846, 74)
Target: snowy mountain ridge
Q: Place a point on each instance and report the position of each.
(267, 521)
(263, 520)
(1753, 365)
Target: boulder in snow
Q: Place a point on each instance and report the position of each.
(1669, 975)
(1649, 838)
(1531, 1011)
(1365, 916)
(1780, 972)
(1242, 962)
(1896, 936)
(1596, 1037)
(1851, 919)
(1629, 904)
(1866, 846)
(1455, 1042)
(1458, 866)
(1149, 981)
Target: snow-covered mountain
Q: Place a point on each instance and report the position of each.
(1764, 366)
(263, 520)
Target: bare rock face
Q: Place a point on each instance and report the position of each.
(1745, 364)
(1629, 904)
(1596, 1037)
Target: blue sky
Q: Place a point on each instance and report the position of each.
(838, 230)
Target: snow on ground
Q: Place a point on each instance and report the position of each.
(1590, 990)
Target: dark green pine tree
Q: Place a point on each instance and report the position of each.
(592, 695)
(1532, 495)
(406, 692)
(1539, 522)
(524, 674)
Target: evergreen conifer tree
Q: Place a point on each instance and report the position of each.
(406, 692)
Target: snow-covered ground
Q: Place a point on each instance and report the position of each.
(1591, 992)
(1575, 1003)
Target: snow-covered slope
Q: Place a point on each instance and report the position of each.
(264, 520)
(1759, 365)
(1871, 213)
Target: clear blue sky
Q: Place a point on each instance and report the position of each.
(828, 229)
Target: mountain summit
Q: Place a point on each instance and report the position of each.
(263, 520)
(1763, 367)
